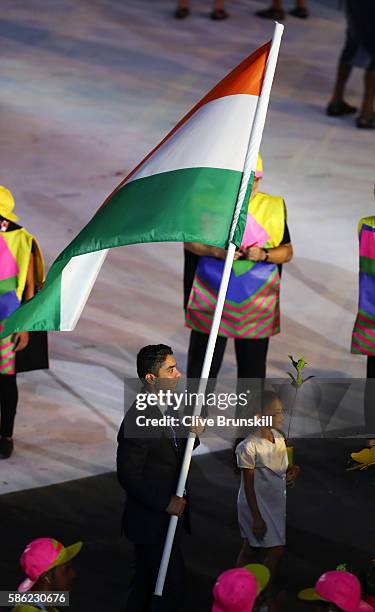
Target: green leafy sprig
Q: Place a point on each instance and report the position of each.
(297, 381)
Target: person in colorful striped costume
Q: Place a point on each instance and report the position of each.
(251, 311)
(363, 336)
(21, 270)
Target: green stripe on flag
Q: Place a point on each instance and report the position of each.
(190, 205)
(241, 223)
(42, 312)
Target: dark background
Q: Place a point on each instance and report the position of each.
(330, 521)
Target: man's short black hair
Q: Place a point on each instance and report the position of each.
(150, 358)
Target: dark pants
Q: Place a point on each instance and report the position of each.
(8, 404)
(370, 396)
(146, 566)
(251, 356)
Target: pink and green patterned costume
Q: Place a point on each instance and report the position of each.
(15, 250)
(363, 337)
(251, 308)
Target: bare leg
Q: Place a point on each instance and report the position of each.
(300, 10)
(248, 554)
(218, 12)
(218, 5)
(275, 11)
(272, 561)
(182, 9)
(343, 73)
(337, 105)
(367, 108)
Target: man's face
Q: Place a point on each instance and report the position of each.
(167, 376)
(276, 410)
(63, 577)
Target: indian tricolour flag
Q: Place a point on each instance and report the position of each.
(185, 189)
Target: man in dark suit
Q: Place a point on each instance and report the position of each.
(148, 465)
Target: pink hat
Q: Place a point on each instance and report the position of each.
(40, 556)
(343, 589)
(235, 591)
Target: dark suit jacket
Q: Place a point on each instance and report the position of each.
(148, 468)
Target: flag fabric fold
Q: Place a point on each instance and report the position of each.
(185, 190)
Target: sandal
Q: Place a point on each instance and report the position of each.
(271, 13)
(181, 13)
(366, 124)
(301, 13)
(219, 15)
(337, 109)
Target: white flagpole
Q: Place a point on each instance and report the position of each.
(249, 166)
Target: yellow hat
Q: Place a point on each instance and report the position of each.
(7, 204)
(261, 574)
(259, 168)
(310, 594)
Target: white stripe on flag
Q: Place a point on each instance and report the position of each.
(77, 280)
(216, 136)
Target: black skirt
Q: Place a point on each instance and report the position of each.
(35, 355)
(359, 47)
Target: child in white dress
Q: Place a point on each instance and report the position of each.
(263, 461)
